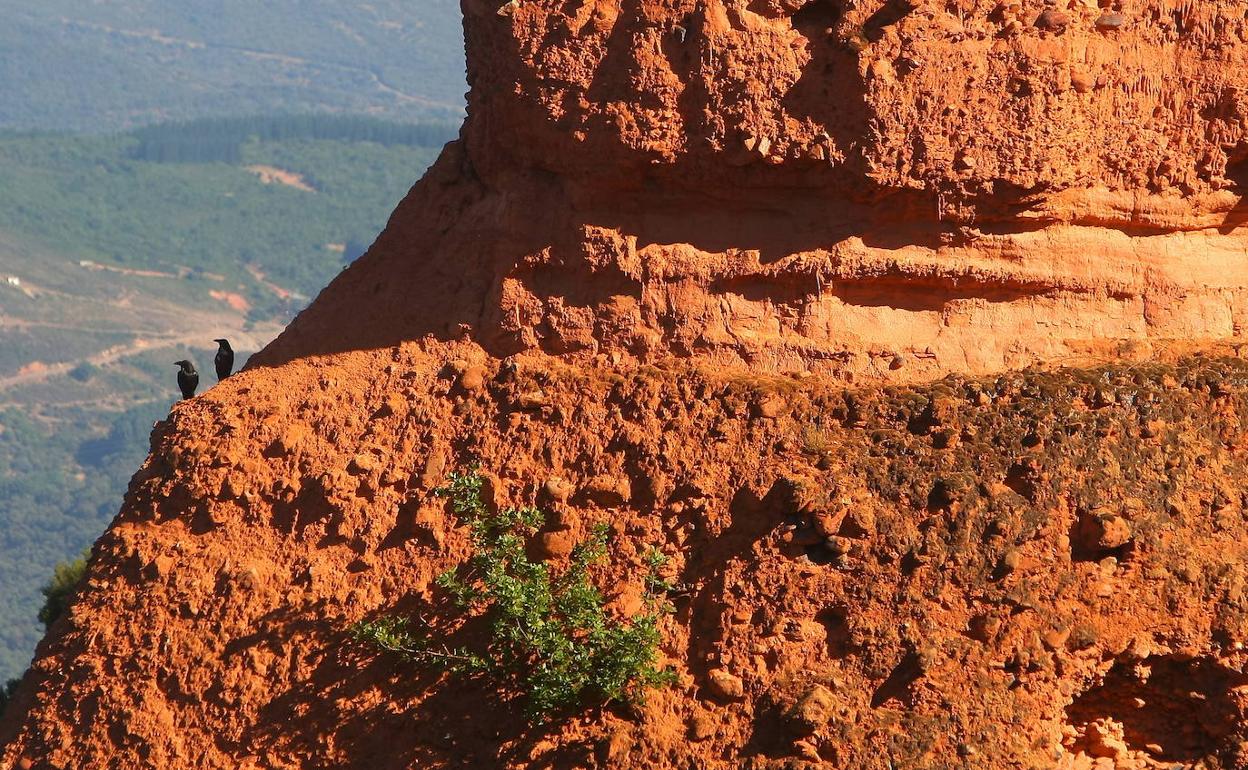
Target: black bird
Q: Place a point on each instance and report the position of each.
(224, 359)
(188, 378)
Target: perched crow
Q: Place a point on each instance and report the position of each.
(188, 378)
(224, 359)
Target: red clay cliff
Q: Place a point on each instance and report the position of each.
(907, 331)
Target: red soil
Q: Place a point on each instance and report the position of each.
(637, 291)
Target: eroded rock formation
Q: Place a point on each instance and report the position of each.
(863, 189)
(676, 255)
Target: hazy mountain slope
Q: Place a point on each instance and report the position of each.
(102, 66)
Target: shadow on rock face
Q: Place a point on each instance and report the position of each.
(1170, 708)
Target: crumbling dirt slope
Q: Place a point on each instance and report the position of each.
(782, 289)
(1027, 571)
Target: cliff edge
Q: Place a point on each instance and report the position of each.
(907, 331)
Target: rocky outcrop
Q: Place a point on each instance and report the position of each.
(692, 271)
(1037, 570)
(867, 190)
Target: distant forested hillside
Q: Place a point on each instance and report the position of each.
(269, 219)
(102, 66)
(221, 140)
(113, 265)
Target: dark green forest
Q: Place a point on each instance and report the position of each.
(221, 140)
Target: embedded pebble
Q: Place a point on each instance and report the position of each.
(1111, 21)
(725, 685)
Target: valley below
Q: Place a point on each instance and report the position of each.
(113, 267)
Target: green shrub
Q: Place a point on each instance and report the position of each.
(551, 637)
(56, 592)
(84, 371)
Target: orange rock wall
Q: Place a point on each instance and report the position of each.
(707, 256)
(867, 190)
